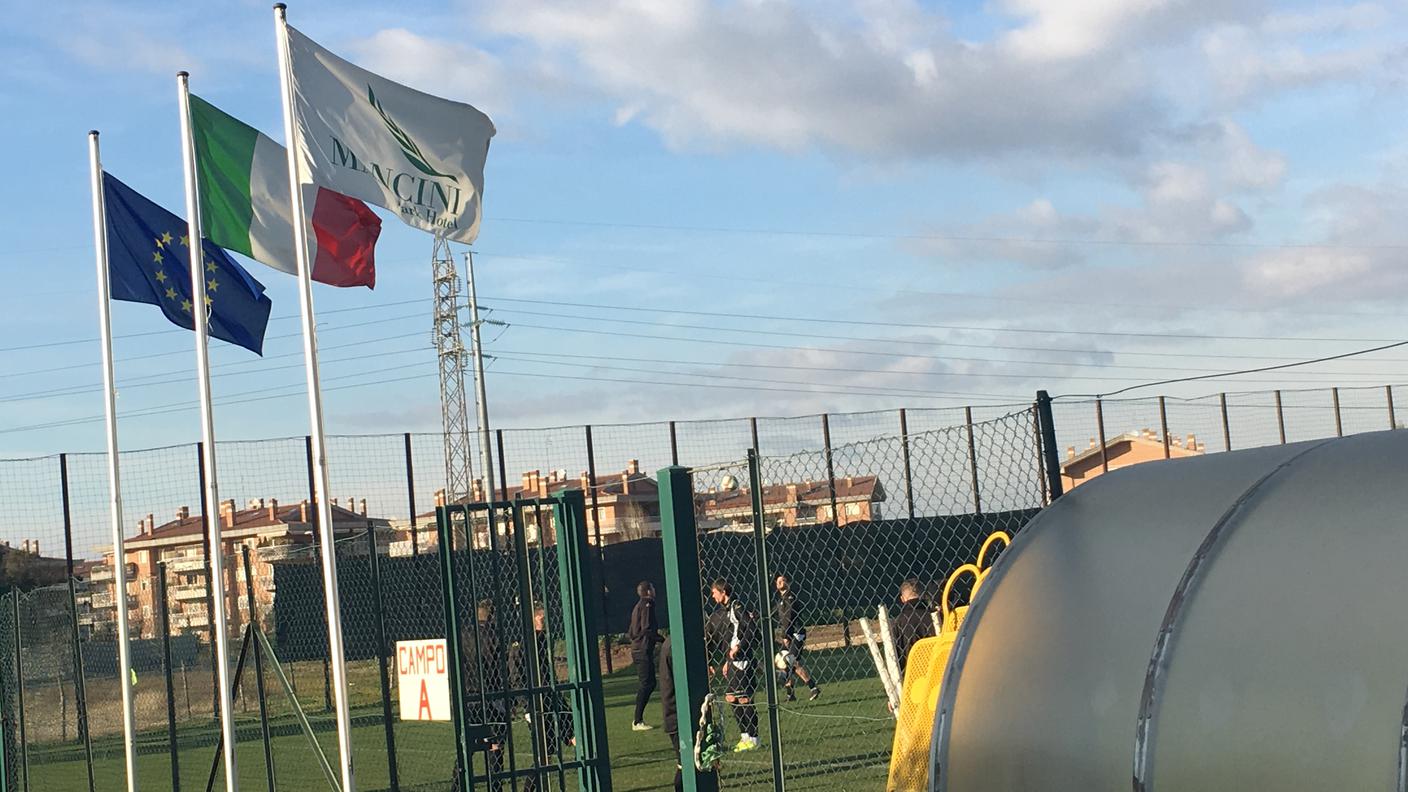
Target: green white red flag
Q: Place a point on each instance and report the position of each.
(245, 206)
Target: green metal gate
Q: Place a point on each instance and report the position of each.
(517, 580)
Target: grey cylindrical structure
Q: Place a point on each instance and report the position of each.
(1231, 622)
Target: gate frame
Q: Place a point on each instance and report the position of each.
(579, 622)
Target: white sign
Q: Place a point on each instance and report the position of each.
(423, 679)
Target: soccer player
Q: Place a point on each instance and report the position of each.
(482, 674)
(912, 621)
(644, 634)
(791, 638)
(669, 712)
(731, 634)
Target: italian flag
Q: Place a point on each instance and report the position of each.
(245, 206)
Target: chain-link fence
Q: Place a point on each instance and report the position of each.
(839, 530)
(903, 494)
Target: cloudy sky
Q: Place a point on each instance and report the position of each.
(699, 209)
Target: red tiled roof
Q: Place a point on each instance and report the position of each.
(194, 524)
(607, 486)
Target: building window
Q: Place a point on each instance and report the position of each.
(852, 509)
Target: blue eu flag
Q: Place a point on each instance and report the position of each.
(149, 262)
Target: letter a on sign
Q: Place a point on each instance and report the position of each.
(422, 684)
(423, 711)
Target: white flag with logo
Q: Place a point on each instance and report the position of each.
(365, 136)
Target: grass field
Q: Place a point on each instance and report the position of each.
(841, 741)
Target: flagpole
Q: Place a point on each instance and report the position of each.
(119, 557)
(214, 544)
(336, 656)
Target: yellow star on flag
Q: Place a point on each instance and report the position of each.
(170, 293)
(186, 306)
(158, 242)
(156, 256)
(209, 265)
(212, 285)
(165, 238)
(185, 240)
(160, 276)
(208, 301)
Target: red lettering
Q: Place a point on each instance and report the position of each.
(423, 711)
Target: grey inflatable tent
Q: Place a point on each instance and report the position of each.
(1237, 621)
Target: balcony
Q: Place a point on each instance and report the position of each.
(105, 601)
(186, 565)
(100, 574)
(187, 592)
(286, 552)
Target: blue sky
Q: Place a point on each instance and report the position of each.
(1044, 173)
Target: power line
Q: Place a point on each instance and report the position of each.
(950, 374)
(716, 328)
(176, 331)
(1249, 371)
(757, 345)
(917, 326)
(979, 238)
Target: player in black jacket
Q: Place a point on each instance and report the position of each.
(791, 637)
(912, 621)
(670, 717)
(644, 634)
(482, 675)
(730, 634)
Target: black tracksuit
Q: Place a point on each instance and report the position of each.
(482, 673)
(644, 635)
(669, 715)
(732, 626)
(912, 621)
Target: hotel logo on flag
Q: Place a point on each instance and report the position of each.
(370, 138)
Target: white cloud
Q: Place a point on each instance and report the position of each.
(879, 78)
(1285, 50)
(1059, 29)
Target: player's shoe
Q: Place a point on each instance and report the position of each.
(790, 695)
(746, 743)
(641, 727)
(816, 694)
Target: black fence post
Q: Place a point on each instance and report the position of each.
(600, 552)
(973, 461)
(830, 468)
(1163, 427)
(19, 683)
(1280, 419)
(1048, 445)
(80, 682)
(908, 477)
(1388, 393)
(503, 477)
(1226, 424)
(1100, 429)
(374, 566)
(252, 625)
(317, 527)
(674, 445)
(753, 430)
(164, 608)
(211, 585)
(411, 497)
(1335, 398)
